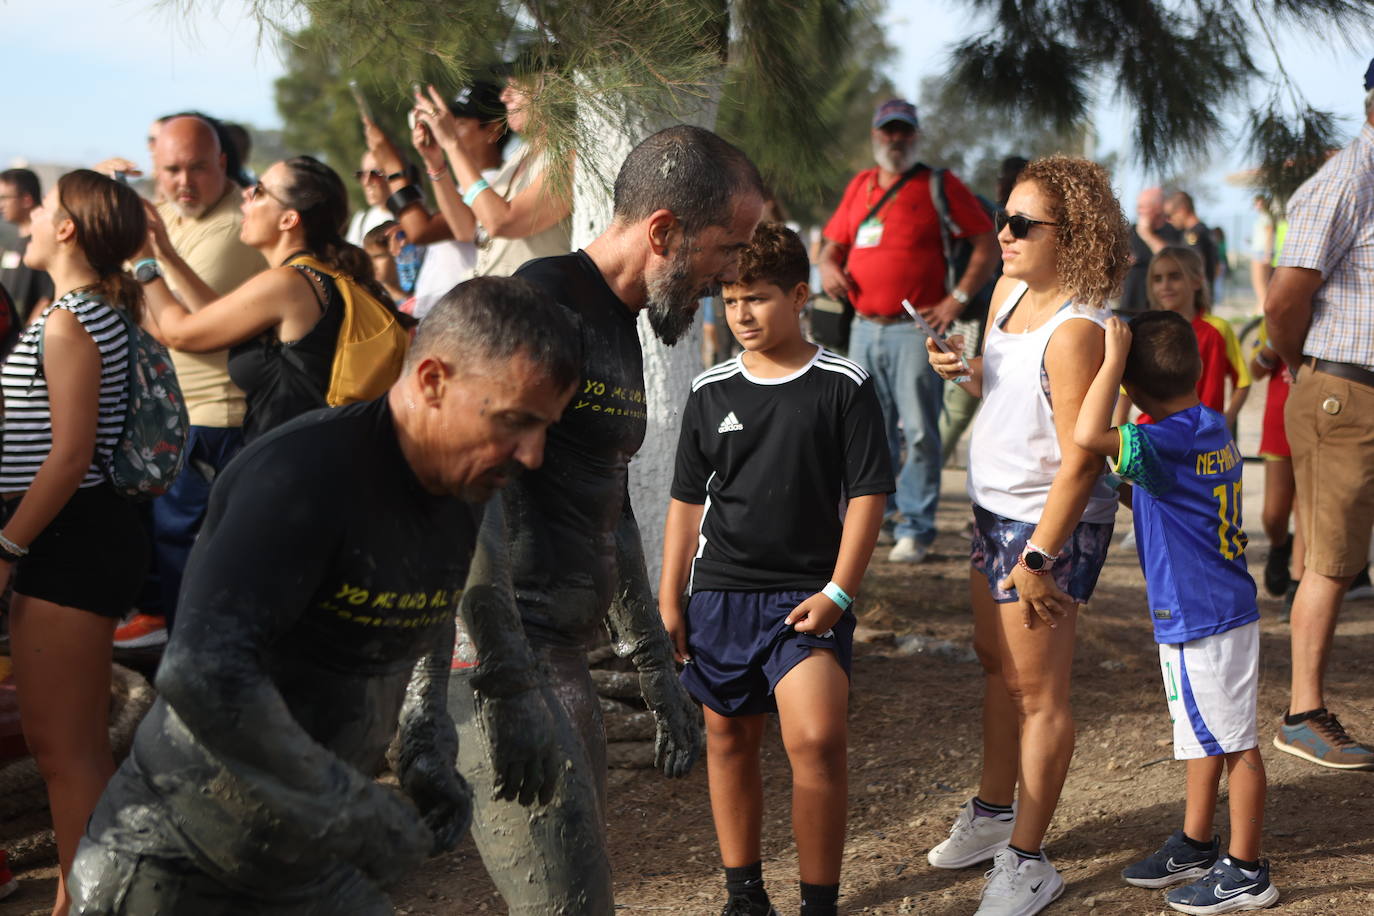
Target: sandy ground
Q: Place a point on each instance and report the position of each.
(914, 759)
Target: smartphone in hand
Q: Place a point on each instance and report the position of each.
(925, 328)
(360, 100)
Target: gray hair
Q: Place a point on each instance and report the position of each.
(494, 319)
(689, 171)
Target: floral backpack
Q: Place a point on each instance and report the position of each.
(152, 445)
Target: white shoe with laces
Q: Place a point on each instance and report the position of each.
(973, 839)
(1019, 887)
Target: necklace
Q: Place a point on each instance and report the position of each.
(1030, 319)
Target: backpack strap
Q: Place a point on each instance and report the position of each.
(948, 227)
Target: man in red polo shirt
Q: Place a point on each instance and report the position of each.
(879, 260)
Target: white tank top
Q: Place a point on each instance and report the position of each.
(1014, 451)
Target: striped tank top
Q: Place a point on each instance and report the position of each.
(28, 418)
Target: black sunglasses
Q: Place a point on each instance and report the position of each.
(360, 174)
(1020, 225)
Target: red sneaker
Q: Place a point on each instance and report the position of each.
(8, 883)
(141, 631)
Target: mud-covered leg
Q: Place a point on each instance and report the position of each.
(545, 859)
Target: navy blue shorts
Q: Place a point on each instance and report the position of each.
(742, 647)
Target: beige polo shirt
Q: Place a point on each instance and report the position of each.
(210, 246)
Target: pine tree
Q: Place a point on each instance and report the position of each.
(1175, 63)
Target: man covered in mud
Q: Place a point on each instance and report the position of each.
(333, 557)
(685, 206)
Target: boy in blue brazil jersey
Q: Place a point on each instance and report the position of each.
(1186, 475)
(781, 480)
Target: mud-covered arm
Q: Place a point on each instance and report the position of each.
(508, 681)
(427, 749)
(263, 556)
(637, 634)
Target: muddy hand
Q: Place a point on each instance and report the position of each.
(524, 755)
(443, 798)
(678, 742)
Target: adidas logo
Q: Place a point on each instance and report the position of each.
(730, 424)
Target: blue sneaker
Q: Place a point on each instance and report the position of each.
(1225, 889)
(1177, 860)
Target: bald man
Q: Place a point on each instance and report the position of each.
(200, 207)
(1151, 233)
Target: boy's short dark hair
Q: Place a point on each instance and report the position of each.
(775, 255)
(380, 234)
(1163, 361)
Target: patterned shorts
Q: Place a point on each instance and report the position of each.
(998, 542)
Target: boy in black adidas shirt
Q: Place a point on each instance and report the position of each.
(782, 478)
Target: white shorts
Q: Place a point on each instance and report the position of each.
(1212, 685)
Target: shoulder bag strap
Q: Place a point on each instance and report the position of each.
(892, 191)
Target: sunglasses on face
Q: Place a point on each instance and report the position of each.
(1020, 225)
(364, 174)
(259, 191)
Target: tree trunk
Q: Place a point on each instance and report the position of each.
(668, 371)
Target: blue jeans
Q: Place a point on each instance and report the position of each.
(177, 514)
(910, 394)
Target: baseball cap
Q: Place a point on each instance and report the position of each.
(1369, 77)
(896, 110)
(480, 100)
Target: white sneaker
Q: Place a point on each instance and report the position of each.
(908, 551)
(1019, 887)
(972, 839)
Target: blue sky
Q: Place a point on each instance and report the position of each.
(88, 76)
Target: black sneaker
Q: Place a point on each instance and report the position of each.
(745, 906)
(1175, 862)
(1276, 568)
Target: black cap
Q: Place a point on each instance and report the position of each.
(481, 100)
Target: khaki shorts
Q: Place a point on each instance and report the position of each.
(1333, 467)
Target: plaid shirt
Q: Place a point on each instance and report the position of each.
(1331, 230)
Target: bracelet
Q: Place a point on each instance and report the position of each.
(403, 198)
(153, 261)
(837, 595)
(437, 174)
(1263, 360)
(10, 550)
(471, 193)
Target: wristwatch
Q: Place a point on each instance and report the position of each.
(959, 296)
(146, 271)
(1036, 561)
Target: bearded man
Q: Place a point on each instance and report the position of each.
(685, 206)
(883, 245)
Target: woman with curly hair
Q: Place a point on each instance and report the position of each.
(1042, 513)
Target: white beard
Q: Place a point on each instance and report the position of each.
(888, 159)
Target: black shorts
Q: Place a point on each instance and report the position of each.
(93, 556)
